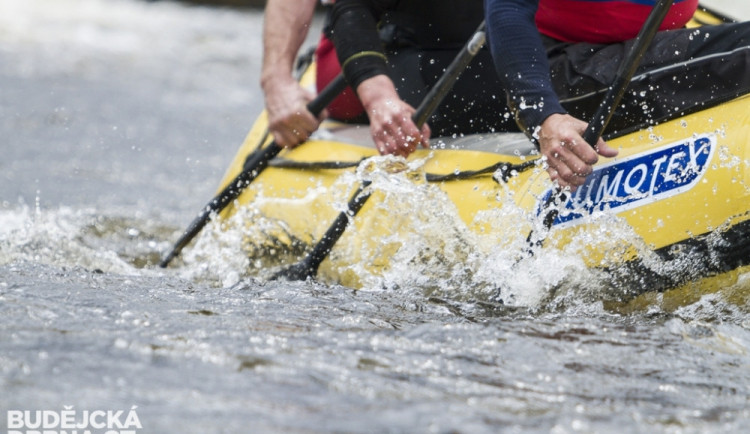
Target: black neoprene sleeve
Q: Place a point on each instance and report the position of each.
(355, 36)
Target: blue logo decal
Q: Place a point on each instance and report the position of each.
(639, 179)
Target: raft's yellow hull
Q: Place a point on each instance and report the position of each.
(681, 187)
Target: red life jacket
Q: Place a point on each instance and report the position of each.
(604, 21)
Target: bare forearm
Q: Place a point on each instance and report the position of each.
(285, 27)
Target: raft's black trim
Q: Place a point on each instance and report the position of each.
(704, 256)
(506, 170)
(283, 163)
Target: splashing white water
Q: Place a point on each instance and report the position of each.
(55, 237)
(428, 249)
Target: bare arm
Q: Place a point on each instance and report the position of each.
(286, 23)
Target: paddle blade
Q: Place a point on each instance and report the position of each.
(302, 270)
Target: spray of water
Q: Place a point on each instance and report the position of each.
(429, 250)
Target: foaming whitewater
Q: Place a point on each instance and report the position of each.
(81, 238)
(54, 238)
(428, 249)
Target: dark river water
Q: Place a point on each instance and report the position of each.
(117, 121)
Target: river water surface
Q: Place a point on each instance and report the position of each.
(117, 121)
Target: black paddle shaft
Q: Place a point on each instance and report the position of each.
(308, 267)
(625, 72)
(613, 96)
(255, 163)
